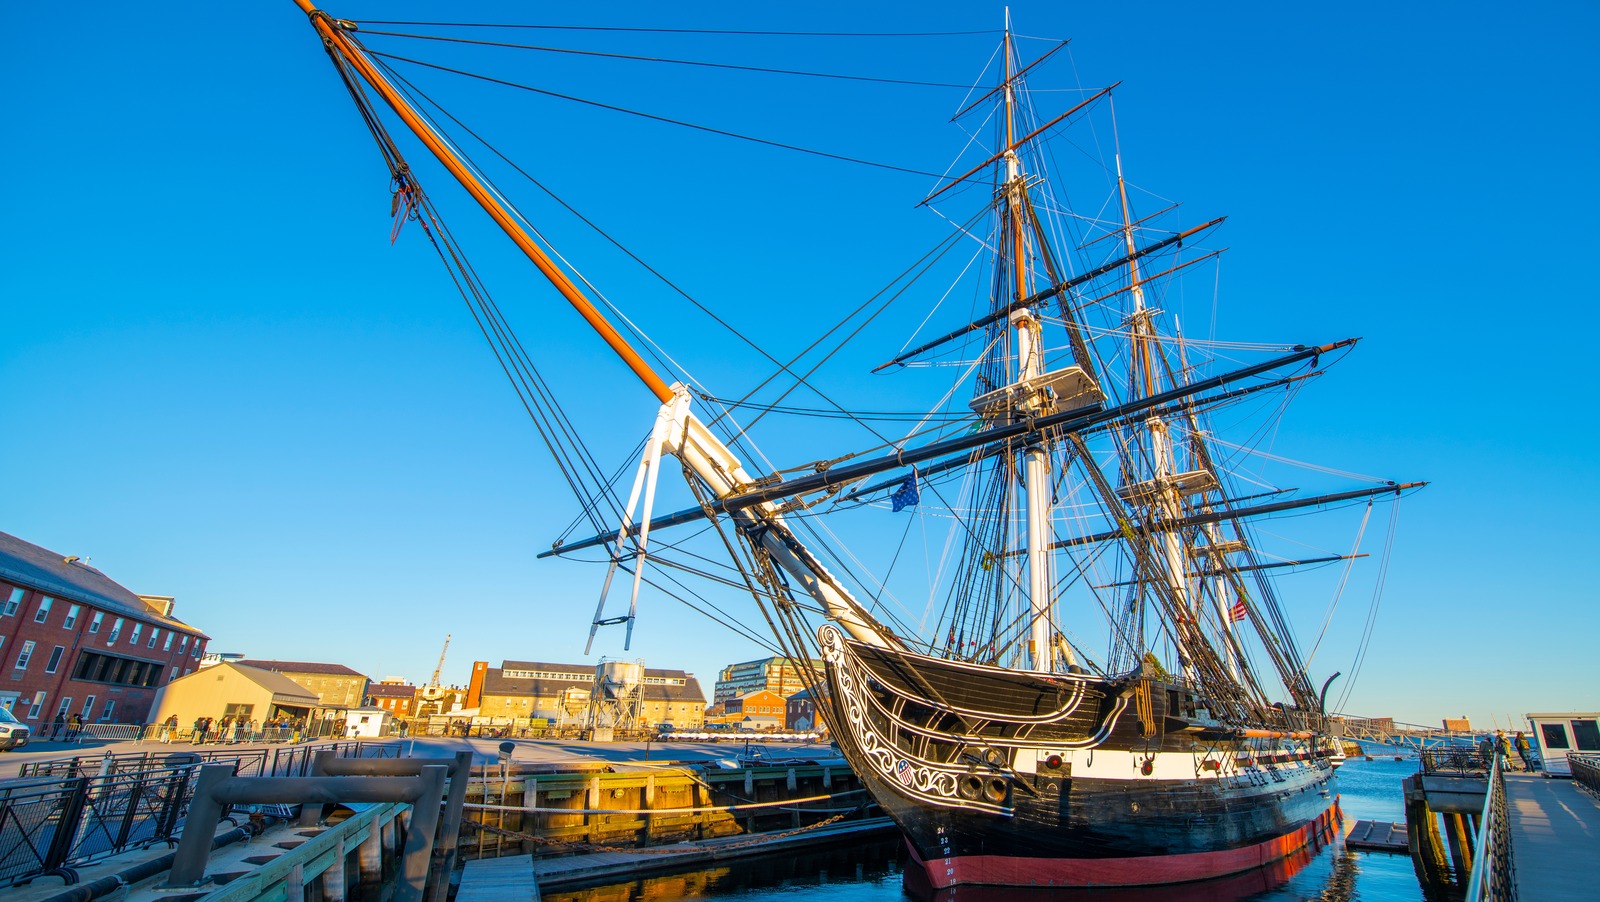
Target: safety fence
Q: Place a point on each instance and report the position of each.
(76, 810)
(1455, 760)
(47, 826)
(1493, 875)
(289, 761)
(1585, 771)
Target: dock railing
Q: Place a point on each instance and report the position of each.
(287, 761)
(72, 811)
(1493, 875)
(47, 826)
(1460, 760)
(1585, 771)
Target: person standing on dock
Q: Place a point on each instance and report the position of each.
(1522, 751)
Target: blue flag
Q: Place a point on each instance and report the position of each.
(906, 495)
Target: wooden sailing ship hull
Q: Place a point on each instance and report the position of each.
(1006, 777)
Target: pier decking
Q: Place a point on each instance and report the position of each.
(1555, 838)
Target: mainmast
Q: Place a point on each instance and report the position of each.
(1030, 367)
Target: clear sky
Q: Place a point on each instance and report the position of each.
(219, 381)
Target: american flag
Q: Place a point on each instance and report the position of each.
(902, 770)
(1237, 612)
(906, 495)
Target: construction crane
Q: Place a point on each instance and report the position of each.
(440, 666)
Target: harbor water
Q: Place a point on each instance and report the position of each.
(874, 871)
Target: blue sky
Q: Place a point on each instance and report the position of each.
(220, 382)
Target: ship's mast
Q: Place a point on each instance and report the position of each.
(1161, 491)
(1030, 365)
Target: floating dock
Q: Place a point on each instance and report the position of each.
(1377, 836)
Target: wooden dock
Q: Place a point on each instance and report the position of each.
(556, 872)
(1377, 836)
(1555, 838)
(508, 879)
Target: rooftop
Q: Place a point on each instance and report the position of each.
(71, 579)
(303, 667)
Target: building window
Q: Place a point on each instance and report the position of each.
(66, 703)
(55, 660)
(137, 628)
(88, 708)
(182, 644)
(43, 613)
(106, 714)
(95, 621)
(155, 636)
(195, 652)
(168, 646)
(13, 602)
(38, 705)
(25, 655)
(72, 617)
(116, 630)
(174, 674)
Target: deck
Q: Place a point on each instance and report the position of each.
(1555, 838)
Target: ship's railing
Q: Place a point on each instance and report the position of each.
(1455, 760)
(1493, 874)
(1585, 770)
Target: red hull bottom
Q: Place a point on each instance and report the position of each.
(1002, 870)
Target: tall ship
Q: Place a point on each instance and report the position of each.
(1103, 686)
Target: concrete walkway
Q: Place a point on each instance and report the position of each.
(1555, 838)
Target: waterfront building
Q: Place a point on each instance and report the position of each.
(72, 641)
(336, 686)
(394, 695)
(800, 712)
(233, 690)
(781, 675)
(762, 709)
(559, 694)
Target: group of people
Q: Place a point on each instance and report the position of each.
(72, 726)
(232, 730)
(1504, 745)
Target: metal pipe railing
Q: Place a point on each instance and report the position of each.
(1585, 767)
(1493, 872)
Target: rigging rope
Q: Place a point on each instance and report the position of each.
(653, 117)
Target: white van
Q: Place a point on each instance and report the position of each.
(13, 733)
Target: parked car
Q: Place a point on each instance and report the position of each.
(13, 733)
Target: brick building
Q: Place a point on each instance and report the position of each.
(337, 687)
(72, 641)
(781, 675)
(762, 709)
(397, 697)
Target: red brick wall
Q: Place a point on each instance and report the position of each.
(131, 703)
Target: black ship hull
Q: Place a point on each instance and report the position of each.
(1011, 778)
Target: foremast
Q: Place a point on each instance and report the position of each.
(678, 432)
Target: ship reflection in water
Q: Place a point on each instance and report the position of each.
(874, 872)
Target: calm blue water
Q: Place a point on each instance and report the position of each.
(872, 871)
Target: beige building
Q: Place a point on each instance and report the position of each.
(336, 686)
(232, 690)
(559, 694)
